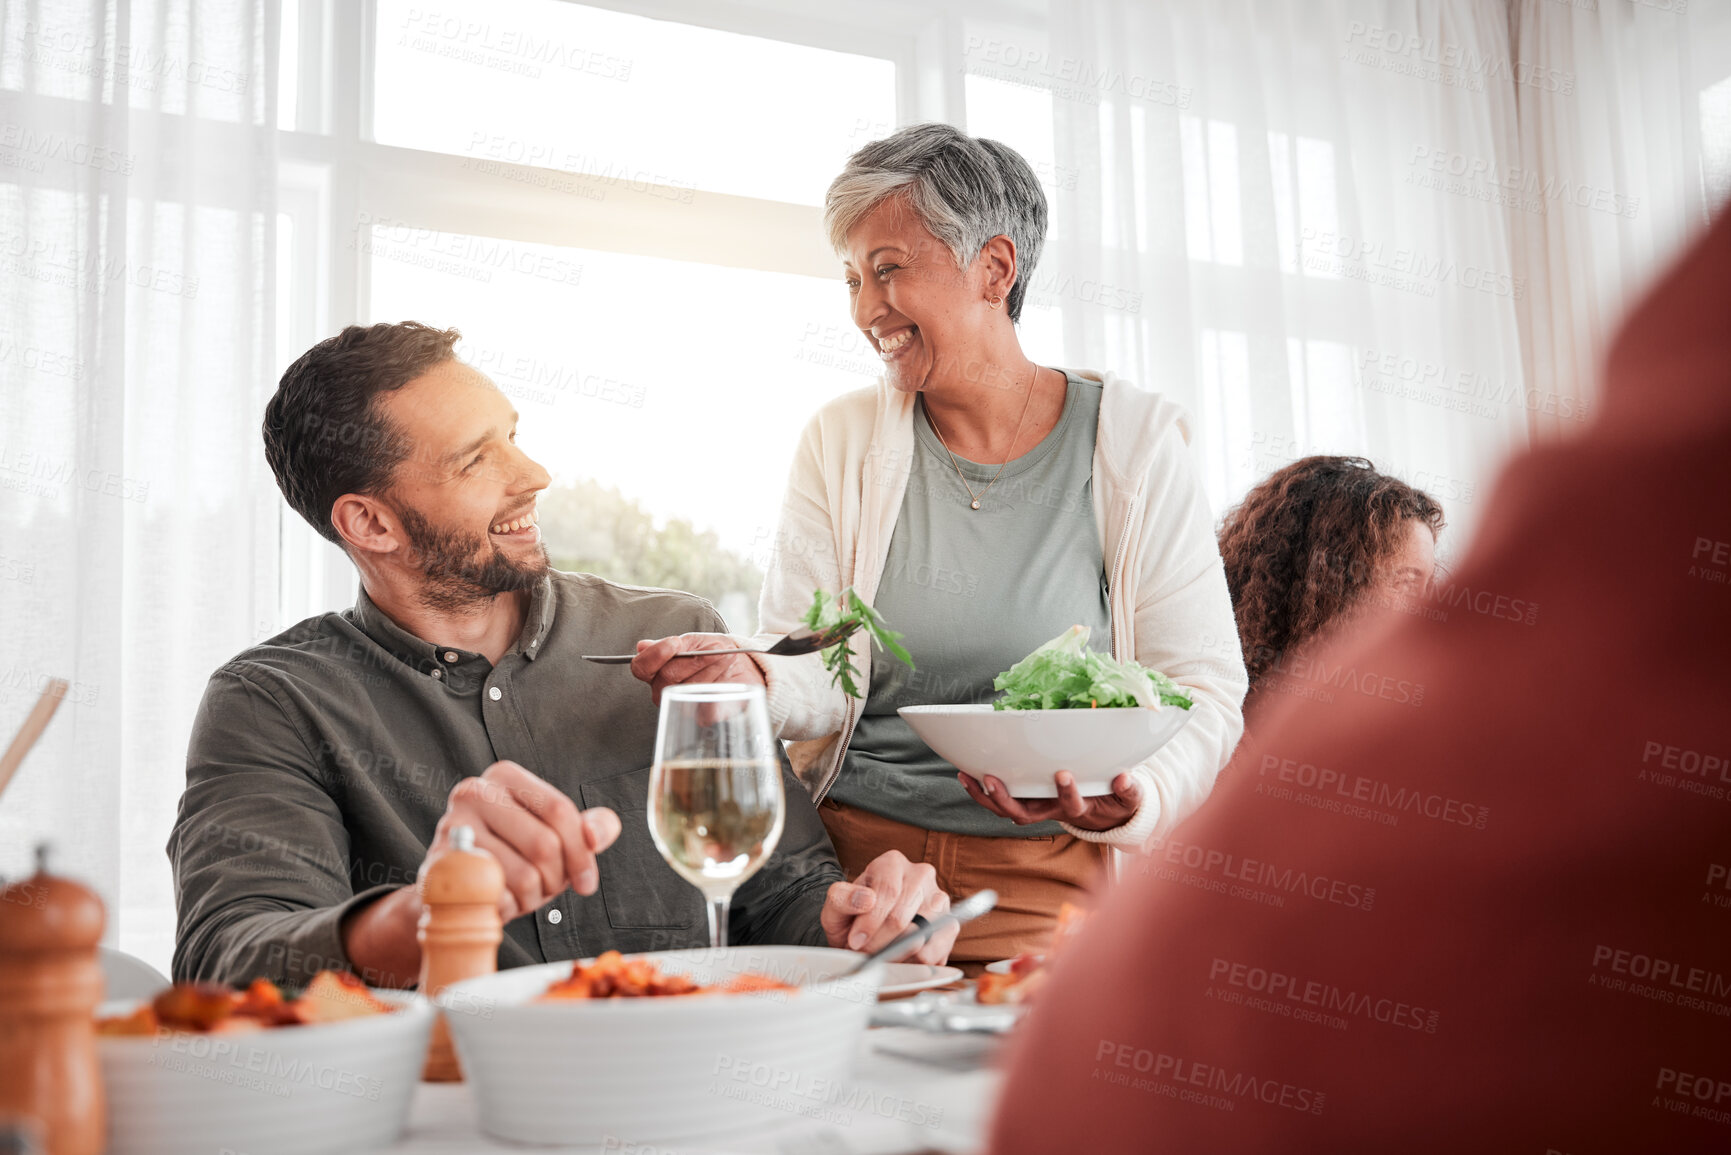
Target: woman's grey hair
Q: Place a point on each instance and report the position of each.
(964, 189)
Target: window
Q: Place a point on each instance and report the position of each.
(1715, 109)
(1306, 205)
(1020, 115)
(1326, 410)
(682, 386)
(1212, 213)
(1224, 361)
(565, 184)
(578, 89)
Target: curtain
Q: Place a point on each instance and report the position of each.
(1324, 226)
(138, 521)
(1611, 176)
(1269, 192)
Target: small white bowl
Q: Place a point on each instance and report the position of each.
(659, 1070)
(316, 1089)
(1024, 748)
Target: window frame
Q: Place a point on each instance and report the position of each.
(333, 170)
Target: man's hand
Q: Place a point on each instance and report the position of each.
(1101, 812)
(543, 842)
(881, 903)
(655, 663)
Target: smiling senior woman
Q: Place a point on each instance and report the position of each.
(983, 504)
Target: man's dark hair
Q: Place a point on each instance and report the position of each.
(324, 433)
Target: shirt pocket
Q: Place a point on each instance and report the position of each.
(638, 887)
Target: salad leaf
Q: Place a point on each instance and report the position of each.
(826, 613)
(1064, 674)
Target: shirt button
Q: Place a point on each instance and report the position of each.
(436, 672)
(450, 655)
(495, 693)
(554, 917)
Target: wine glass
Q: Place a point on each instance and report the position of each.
(715, 799)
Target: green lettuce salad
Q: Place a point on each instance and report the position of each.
(846, 608)
(1064, 674)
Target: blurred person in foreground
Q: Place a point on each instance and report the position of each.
(1500, 922)
(329, 764)
(983, 504)
(1311, 547)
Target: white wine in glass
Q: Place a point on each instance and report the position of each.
(715, 799)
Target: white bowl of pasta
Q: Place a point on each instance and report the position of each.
(312, 1088)
(705, 1065)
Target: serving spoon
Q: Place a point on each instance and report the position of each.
(801, 641)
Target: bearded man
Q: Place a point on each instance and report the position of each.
(330, 763)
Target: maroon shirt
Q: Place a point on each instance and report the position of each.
(1481, 899)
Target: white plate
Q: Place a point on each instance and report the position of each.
(906, 978)
(949, 1012)
(1002, 966)
(1024, 748)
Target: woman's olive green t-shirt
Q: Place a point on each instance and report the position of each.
(972, 592)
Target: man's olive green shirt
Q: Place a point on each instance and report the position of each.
(321, 761)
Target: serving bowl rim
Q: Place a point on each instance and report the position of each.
(410, 1006)
(462, 992)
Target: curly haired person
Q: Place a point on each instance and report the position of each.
(1315, 543)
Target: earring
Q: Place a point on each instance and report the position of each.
(994, 302)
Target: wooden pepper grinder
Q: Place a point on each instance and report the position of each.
(50, 984)
(459, 933)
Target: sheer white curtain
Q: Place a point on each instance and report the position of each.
(1616, 165)
(1270, 183)
(1322, 225)
(138, 523)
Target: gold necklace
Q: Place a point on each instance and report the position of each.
(960, 476)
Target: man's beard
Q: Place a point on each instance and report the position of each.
(463, 570)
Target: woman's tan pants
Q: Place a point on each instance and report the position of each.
(1033, 876)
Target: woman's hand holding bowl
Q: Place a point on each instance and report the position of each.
(1100, 812)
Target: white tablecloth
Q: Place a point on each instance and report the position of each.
(911, 1091)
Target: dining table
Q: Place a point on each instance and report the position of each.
(911, 1091)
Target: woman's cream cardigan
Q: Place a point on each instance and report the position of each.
(1169, 602)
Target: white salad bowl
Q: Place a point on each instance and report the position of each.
(1023, 749)
(314, 1089)
(588, 1072)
